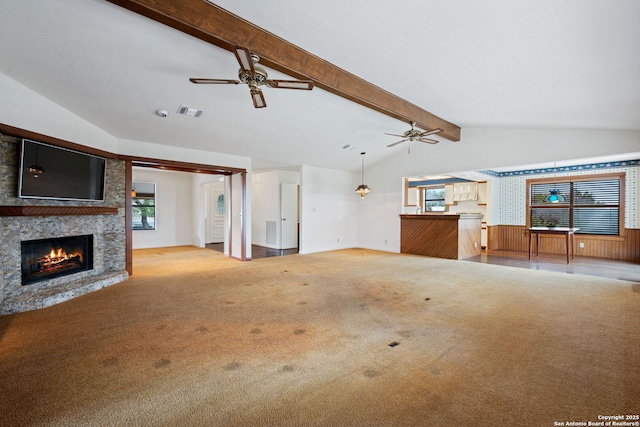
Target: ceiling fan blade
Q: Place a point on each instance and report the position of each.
(244, 58)
(291, 84)
(258, 98)
(396, 143)
(393, 134)
(431, 132)
(214, 81)
(428, 141)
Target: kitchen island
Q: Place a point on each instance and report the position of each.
(441, 235)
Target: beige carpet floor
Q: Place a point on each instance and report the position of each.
(344, 338)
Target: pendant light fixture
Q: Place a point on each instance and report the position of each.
(554, 196)
(362, 189)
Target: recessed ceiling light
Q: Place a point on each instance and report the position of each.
(348, 147)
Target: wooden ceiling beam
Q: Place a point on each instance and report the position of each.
(217, 26)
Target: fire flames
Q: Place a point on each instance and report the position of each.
(58, 258)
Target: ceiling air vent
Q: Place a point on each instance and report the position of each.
(188, 111)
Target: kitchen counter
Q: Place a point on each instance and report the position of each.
(441, 235)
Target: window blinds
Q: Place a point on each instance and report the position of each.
(593, 206)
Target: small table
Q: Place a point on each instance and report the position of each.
(567, 231)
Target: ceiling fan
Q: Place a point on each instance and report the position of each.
(415, 135)
(254, 76)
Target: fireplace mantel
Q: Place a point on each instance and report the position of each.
(56, 210)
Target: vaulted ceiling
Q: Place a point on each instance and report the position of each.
(493, 64)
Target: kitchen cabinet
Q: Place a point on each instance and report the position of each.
(482, 193)
(448, 194)
(465, 191)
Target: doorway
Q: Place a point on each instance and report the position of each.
(237, 188)
(289, 214)
(214, 212)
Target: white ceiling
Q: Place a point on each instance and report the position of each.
(477, 63)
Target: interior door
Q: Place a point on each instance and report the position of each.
(288, 216)
(214, 221)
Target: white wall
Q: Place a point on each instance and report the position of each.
(174, 209)
(378, 216)
(265, 202)
(328, 209)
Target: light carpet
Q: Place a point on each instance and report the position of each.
(343, 338)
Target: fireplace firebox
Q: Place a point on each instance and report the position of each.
(45, 259)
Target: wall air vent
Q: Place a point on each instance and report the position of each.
(188, 111)
(271, 232)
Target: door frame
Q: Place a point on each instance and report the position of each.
(172, 165)
(211, 210)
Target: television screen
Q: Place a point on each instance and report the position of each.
(50, 172)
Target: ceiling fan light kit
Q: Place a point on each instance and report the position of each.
(254, 76)
(258, 98)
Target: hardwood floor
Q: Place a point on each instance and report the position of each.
(256, 251)
(262, 252)
(590, 266)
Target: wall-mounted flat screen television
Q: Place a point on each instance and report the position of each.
(50, 172)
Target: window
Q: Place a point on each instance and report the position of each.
(434, 199)
(143, 204)
(594, 204)
(220, 204)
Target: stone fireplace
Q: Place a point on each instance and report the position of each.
(31, 222)
(45, 259)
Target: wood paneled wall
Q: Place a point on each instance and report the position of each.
(514, 238)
